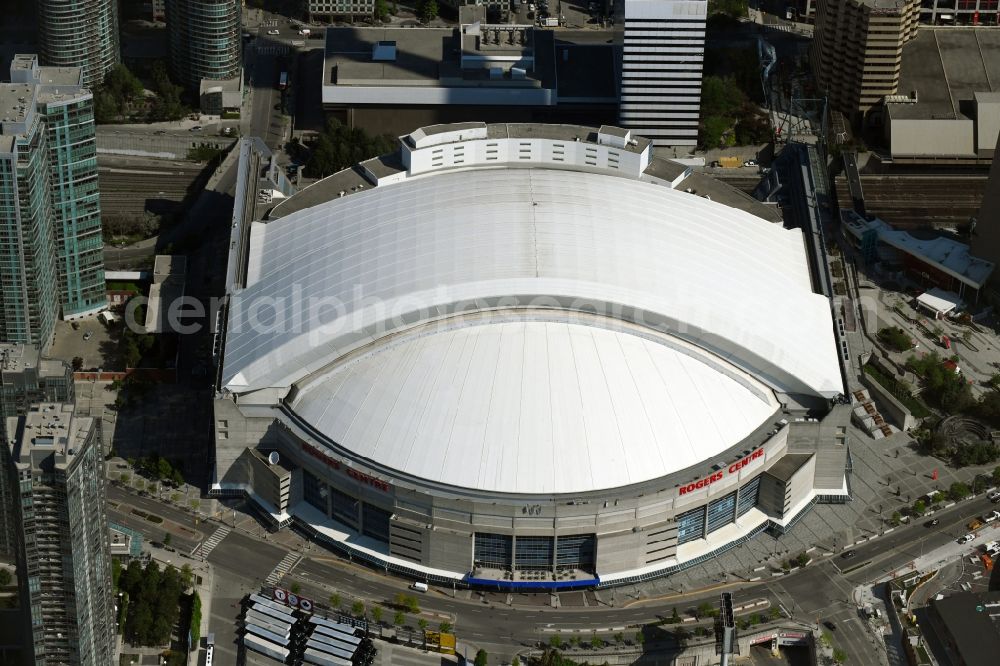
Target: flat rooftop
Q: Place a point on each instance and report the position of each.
(423, 57)
(586, 72)
(15, 101)
(946, 67)
(48, 429)
(60, 76)
(15, 357)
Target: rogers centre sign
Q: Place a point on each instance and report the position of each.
(361, 477)
(717, 476)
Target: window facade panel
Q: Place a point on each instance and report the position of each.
(721, 512)
(344, 507)
(312, 490)
(493, 551)
(376, 523)
(533, 552)
(576, 551)
(691, 525)
(748, 496)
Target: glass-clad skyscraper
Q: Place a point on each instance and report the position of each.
(66, 110)
(204, 40)
(80, 33)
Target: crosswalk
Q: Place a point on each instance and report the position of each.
(286, 564)
(205, 547)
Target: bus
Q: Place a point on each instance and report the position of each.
(329, 649)
(333, 642)
(273, 612)
(269, 623)
(263, 646)
(310, 656)
(283, 81)
(267, 635)
(322, 622)
(339, 635)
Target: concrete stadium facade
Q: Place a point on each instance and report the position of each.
(507, 426)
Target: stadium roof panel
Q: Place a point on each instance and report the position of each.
(534, 406)
(387, 259)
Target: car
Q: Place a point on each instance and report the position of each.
(993, 496)
(932, 523)
(849, 554)
(990, 517)
(227, 131)
(531, 7)
(830, 625)
(160, 132)
(274, 32)
(750, 163)
(967, 538)
(75, 325)
(196, 128)
(88, 335)
(715, 164)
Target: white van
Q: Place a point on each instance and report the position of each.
(419, 587)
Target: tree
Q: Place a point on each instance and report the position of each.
(895, 338)
(555, 641)
(358, 608)
(919, 507)
(596, 642)
(335, 601)
(381, 11)
(167, 538)
(482, 658)
(445, 627)
(77, 363)
(516, 661)
(399, 619)
(163, 469)
(674, 616)
(295, 588)
(428, 10)
(377, 614)
(422, 623)
(774, 613)
(704, 610)
(640, 638)
(124, 477)
(187, 576)
(896, 518)
(619, 638)
(411, 605)
(959, 491)
(839, 655)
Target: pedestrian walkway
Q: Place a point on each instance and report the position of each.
(206, 547)
(286, 564)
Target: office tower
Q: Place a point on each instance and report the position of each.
(67, 109)
(662, 68)
(204, 41)
(986, 233)
(29, 297)
(80, 33)
(54, 461)
(858, 48)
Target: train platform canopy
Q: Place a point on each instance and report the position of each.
(939, 302)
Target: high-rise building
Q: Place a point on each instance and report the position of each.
(68, 111)
(204, 41)
(25, 379)
(664, 47)
(55, 463)
(80, 33)
(858, 49)
(50, 215)
(986, 234)
(29, 285)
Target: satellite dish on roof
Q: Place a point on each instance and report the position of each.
(273, 457)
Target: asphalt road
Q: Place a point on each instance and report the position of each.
(820, 591)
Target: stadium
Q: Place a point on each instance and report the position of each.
(526, 356)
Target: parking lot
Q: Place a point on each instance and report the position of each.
(88, 339)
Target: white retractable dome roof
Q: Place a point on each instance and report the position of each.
(329, 280)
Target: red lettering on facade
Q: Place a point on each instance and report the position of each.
(709, 480)
(366, 479)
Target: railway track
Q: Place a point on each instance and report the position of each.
(135, 191)
(918, 201)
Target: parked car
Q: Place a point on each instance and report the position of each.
(990, 517)
(932, 523)
(196, 128)
(967, 538)
(750, 163)
(993, 496)
(849, 554)
(88, 335)
(274, 32)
